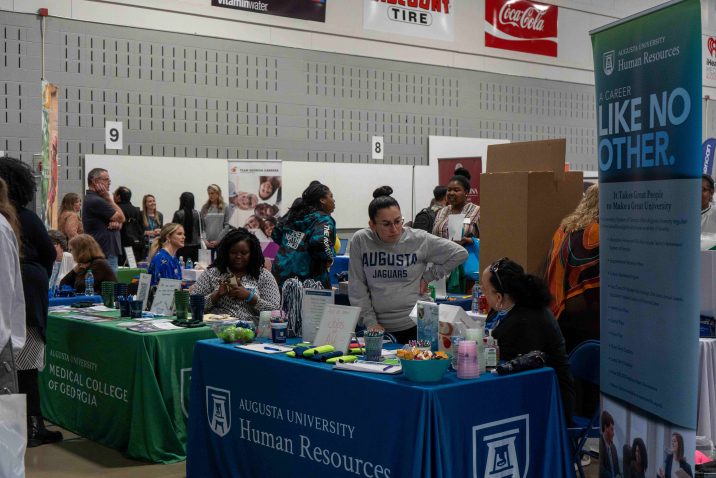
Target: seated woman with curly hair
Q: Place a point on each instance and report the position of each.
(236, 283)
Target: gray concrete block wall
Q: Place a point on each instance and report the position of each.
(189, 96)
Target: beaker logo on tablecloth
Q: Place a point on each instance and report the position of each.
(218, 410)
(500, 449)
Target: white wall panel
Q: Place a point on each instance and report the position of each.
(343, 31)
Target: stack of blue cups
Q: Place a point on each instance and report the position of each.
(120, 291)
(197, 303)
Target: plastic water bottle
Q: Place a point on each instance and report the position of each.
(181, 262)
(89, 283)
(476, 292)
(189, 264)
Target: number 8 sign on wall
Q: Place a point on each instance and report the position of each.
(377, 147)
(113, 135)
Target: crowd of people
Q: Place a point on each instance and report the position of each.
(390, 268)
(391, 265)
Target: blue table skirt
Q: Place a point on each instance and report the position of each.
(258, 415)
(78, 298)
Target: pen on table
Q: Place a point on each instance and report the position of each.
(271, 348)
(387, 367)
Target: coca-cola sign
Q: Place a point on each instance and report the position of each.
(521, 25)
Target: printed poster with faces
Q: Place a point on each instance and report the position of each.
(255, 195)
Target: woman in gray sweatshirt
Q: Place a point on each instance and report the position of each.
(389, 267)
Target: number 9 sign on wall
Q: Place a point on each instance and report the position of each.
(113, 134)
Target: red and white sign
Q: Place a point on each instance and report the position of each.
(433, 19)
(521, 25)
(708, 55)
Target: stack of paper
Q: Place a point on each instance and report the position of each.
(371, 367)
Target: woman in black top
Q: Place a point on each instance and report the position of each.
(88, 256)
(37, 258)
(522, 321)
(189, 218)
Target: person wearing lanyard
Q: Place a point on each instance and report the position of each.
(153, 219)
(522, 322)
(458, 189)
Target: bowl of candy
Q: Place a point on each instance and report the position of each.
(423, 365)
(241, 332)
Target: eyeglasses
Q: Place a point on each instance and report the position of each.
(397, 223)
(495, 267)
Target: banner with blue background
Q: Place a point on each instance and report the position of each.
(708, 150)
(648, 103)
(259, 415)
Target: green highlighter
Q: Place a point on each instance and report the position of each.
(318, 350)
(343, 359)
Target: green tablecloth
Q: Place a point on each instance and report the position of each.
(126, 274)
(123, 389)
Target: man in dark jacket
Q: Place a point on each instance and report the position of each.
(132, 232)
(426, 217)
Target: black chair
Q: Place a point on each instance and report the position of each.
(584, 365)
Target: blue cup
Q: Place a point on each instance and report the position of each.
(278, 332)
(124, 307)
(135, 309)
(197, 303)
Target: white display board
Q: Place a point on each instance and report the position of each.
(352, 185)
(164, 177)
(337, 326)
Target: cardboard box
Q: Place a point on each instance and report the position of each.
(525, 195)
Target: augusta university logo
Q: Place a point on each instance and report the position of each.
(501, 449)
(218, 410)
(608, 62)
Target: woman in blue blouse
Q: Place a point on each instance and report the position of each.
(163, 262)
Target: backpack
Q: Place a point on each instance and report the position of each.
(424, 220)
(134, 228)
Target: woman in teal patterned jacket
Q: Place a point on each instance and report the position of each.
(306, 235)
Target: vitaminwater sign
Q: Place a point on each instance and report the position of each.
(314, 10)
(432, 19)
(648, 91)
(521, 25)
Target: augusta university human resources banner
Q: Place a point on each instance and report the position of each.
(648, 91)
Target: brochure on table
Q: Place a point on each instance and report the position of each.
(163, 303)
(314, 301)
(145, 283)
(337, 326)
(131, 260)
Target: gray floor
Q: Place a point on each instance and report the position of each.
(77, 457)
